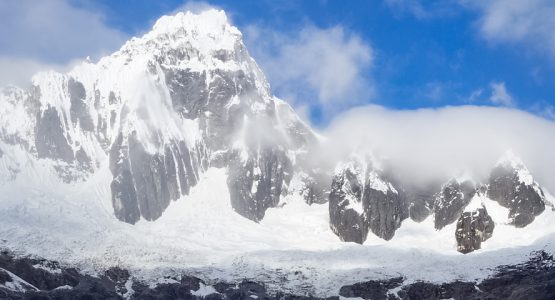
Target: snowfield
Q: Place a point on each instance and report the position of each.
(292, 248)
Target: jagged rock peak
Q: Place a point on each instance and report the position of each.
(450, 202)
(206, 32)
(363, 199)
(511, 161)
(512, 185)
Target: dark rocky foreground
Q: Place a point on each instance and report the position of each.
(40, 279)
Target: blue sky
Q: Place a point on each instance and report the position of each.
(402, 54)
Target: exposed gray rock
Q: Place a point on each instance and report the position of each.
(256, 184)
(50, 137)
(451, 201)
(421, 201)
(188, 91)
(373, 289)
(145, 183)
(385, 210)
(79, 108)
(362, 200)
(525, 200)
(124, 195)
(473, 228)
(346, 221)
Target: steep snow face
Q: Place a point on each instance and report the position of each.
(161, 110)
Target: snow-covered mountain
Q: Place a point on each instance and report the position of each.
(173, 151)
(162, 110)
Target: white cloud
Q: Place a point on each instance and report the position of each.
(49, 34)
(431, 144)
(500, 95)
(420, 9)
(413, 7)
(544, 109)
(528, 22)
(196, 7)
(18, 71)
(475, 95)
(329, 67)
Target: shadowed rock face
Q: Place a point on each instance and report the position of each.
(525, 201)
(421, 202)
(257, 183)
(347, 222)
(473, 228)
(361, 200)
(50, 138)
(79, 108)
(384, 210)
(145, 183)
(451, 201)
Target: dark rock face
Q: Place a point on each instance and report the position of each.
(361, 201)
(347, 222)
(188, 91)
(145, 183)
(79, 108)
(453, 290)
(451, 201)
(50, 138)
(5, 277)
(525, 201)
(534, 279)
(384, 210)
(256, 184)
(39, 277)
(373, 289)
(473, 228)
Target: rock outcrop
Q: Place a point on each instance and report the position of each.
(473, 228)
(512, 186)
(451, 201)
(362, 201)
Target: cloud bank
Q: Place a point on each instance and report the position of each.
(432, 144)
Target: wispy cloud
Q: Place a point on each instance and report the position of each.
(529, 23)
(195, 7)
(328, 67)
(500, 95)
(422, 10)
